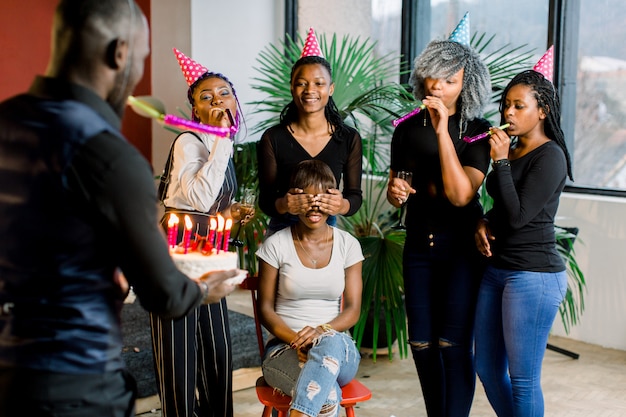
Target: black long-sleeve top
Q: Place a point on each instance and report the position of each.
(525, 201)
(279, 152)
(414, 148)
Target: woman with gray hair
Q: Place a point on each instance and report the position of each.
(442, 267)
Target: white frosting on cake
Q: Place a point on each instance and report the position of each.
(195, 264)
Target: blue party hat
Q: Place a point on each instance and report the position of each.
(461, 33)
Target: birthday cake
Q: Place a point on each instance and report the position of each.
(204, 253)
(195, 264)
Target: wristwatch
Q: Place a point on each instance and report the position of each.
(501, 163)
(204, 289)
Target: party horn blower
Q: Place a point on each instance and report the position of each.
(412, 113)
(470, 139)
(151, 108)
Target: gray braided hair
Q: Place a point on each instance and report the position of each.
(444, 58)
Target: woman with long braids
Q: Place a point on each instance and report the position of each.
(310, 128)
(193, 354)
(525, 281)
(442, 267)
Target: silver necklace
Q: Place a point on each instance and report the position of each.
(313, 261)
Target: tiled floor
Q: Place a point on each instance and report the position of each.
(593, 385)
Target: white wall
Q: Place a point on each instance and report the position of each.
(601, 254)
(224, 36)
(343, 17)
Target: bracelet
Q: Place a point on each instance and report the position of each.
(501, 163)
(326, 327)
(204, 289)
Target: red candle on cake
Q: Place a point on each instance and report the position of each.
(187, 235)
(212, 227)
(208, 244)
(227, 227)
(220, 232)
(172, 231)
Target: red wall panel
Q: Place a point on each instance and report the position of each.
(25, 27)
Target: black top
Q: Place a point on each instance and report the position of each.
(414, 148)
(525, 202)
(78, 202)
(279, 153)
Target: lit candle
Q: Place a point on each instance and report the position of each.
(187, 235)
(229, 224)
(172, 231)
(220, 232)
(212, 227)
(208, 244)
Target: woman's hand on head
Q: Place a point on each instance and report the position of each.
(298, 202)
(331, 203)
(482, 237)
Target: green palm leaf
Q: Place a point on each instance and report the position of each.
(362, 87)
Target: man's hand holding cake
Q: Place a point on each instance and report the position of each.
(216, 285)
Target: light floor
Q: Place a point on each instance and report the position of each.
(593, 385)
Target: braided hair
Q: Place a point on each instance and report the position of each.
(210, 74)
(547, 100)
(290, 112)
(442, 59)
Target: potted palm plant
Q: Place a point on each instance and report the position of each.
(367, 101)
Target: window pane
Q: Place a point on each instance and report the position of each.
(600, 136)
(495, 17)
(386, 27)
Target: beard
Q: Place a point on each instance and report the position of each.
(123, 87)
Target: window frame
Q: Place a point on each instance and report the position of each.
(563, 24)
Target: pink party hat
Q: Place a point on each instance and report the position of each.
(311, 46)
(461, 34)
(190, 68)
(545, 65)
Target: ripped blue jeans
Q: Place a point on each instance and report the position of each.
(314, 386)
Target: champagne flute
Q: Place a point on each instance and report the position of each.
(408, 177)
(246, 208)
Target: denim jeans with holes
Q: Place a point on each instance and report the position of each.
(332, 362)
(514, 316)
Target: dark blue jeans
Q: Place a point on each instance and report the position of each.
(441, 283)
(514, 316)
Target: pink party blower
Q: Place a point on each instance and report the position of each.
(470, 139)
(412, 113)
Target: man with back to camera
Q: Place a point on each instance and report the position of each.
(77, 201)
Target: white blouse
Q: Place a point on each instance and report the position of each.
(198, 171)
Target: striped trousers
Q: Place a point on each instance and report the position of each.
(193, 363)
